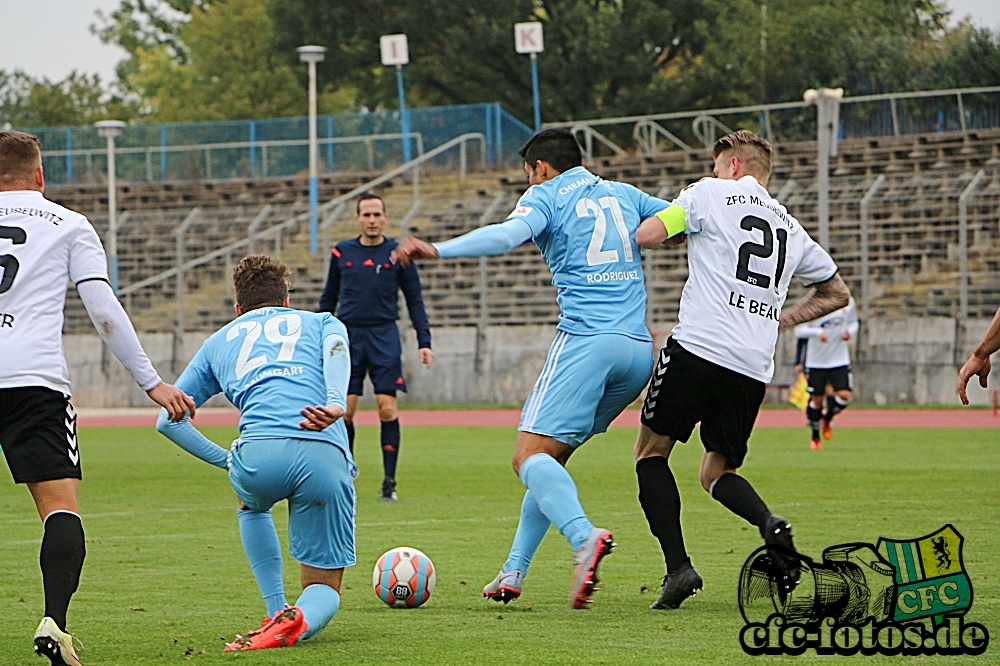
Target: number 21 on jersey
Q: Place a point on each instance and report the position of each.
(272, 332)
(590, 208)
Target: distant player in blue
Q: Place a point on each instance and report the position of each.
(287, 372)
(366, 286)
(602, 356)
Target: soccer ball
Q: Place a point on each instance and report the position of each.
(404, 578)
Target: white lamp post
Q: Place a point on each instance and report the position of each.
(312, 55)
(827, 101)
(110, 129)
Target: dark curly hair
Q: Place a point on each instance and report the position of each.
(259, 281)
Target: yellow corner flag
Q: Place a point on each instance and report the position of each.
(799, 395)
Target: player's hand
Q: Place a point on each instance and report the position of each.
(319, 417)
(175, 401)
(975, 366)
(846, 335)
(412, 248)
(798, 368)
(426, 356)
(823, 337)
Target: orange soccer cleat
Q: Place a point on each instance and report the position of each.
(827, 430)
(816, 445)
(283, 630)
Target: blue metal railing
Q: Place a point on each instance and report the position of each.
(275, 147)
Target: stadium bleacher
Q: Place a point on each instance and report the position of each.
(913, 239)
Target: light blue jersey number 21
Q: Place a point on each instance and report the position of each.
(595, 255)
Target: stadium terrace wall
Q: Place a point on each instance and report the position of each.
(903, 360)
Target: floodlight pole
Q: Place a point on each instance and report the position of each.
(313, 55)
(110, 129)
(827, 101)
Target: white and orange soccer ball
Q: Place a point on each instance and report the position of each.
(404, 577)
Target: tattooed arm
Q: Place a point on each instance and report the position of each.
(827, 297)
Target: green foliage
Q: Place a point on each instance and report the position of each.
(600, 58)
(229, 69)
(166, 576)
(229, 59)
(79, 99)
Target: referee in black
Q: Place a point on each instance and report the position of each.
(366, 284)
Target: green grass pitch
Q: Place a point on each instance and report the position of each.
(166, 577)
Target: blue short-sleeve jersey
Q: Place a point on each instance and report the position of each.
(585, 227)
(269, 363)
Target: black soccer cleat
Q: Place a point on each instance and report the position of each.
(777, 534)
(677, 587)
(389, 490)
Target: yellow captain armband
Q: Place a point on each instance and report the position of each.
(673, 220)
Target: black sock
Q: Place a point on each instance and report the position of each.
(390, 446)
(736, 494)
(350, 434)
(62, 554)
(834, 406)
(814, 414)
(661, 502)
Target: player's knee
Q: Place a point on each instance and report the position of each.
(845, 396)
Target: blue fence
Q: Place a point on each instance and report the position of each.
(275, 147)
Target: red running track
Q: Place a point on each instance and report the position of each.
(769, 418)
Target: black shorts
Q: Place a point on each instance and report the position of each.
(839, 378)
(686, 389)
(376, 351)
(38, 434)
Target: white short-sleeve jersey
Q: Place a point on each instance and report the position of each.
(835, 352)
(743, 251)
(43, 247)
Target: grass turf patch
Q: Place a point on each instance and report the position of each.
(166, 579)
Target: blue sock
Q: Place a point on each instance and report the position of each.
(530, 531)
(555, 492)
(390, 447)
(260, 541)
(319, 603)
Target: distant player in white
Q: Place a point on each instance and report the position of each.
(43, 247)
(828, 363)
(743, 251)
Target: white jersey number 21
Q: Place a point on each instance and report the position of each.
(587, 208)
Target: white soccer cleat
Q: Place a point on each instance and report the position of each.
(56, 644)
(505, 587)
(586, 558)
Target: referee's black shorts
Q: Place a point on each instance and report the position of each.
(686, 389)
(38, 434)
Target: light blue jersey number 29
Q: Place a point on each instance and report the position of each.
(595, 255)
(272, 332)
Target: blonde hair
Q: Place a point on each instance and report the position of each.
(753, 151)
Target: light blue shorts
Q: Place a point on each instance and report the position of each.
(586, 382)
(315, 478)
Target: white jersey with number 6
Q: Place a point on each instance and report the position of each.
(43, 247)
(743, 251)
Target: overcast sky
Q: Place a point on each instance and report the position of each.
(52, 37)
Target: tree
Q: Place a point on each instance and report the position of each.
(79, 99)
(219, 65)
(601, 56)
